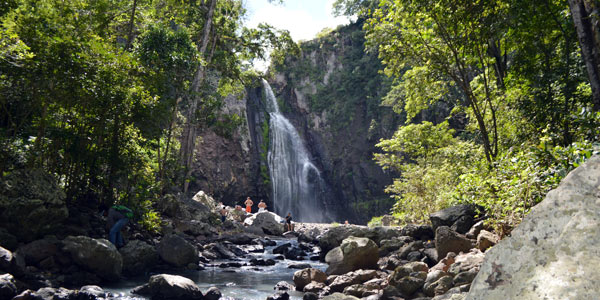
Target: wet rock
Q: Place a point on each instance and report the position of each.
(486, 239)
(172, 287)
(8, 287)
(294, 253)
(176, 251)
(32, 204)
(298, 266)
(448, 217)
(284, 286)
(138, 257)
(281, 249)
(279, 296)
(303, 277)
(354, 253)
(98, 256)
(91, 292)
(447, 240)
(309, 235)
(212, 293)
(310, 296)
(262, 262)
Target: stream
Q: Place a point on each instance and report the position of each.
(246, 282)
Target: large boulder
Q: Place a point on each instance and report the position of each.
(304, 277)
(98, 256)
(8, 287)
(354, 253)
(351, 278)
(169, 287)
(447, 240)
(39, 250)
(461, 217)
(176, 251)
(10, 263)
(138, 257)
(266, 222)
(557, 245)
(32, 204)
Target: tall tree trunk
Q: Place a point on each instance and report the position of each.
(131, 25)
(585, 17)
(188, 140)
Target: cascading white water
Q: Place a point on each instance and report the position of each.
(296, 182)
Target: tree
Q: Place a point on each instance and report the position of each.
(436, 46)
(586, 17)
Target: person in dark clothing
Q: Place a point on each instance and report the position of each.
(288, 222)
(118, 217)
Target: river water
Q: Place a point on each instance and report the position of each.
(247, 282)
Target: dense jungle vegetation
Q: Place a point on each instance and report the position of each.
(108, 95)
(522, 74)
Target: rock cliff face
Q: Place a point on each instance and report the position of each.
(331, 93)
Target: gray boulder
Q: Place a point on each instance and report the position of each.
(213, 293)
(351, 278)
(138, 257)
(32, 204)
(557, 245)
(176, 251)
(169, 287)
(354, 253)
(98, 256)
(39, 250)
(447, 240)
(334, 236)
(265, 222)
(460, 216)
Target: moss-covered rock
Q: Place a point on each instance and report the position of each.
(32, 204)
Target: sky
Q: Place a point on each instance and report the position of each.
(302, 18)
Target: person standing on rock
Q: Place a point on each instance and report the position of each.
(249, 204)
(223, 212)
(262, 206)
(288, 222)
(118, 216)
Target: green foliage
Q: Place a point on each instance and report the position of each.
(430, 160)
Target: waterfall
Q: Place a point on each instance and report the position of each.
(296, 182)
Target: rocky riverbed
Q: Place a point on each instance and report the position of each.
(250, 257)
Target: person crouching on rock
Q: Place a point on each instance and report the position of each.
(118, 216)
